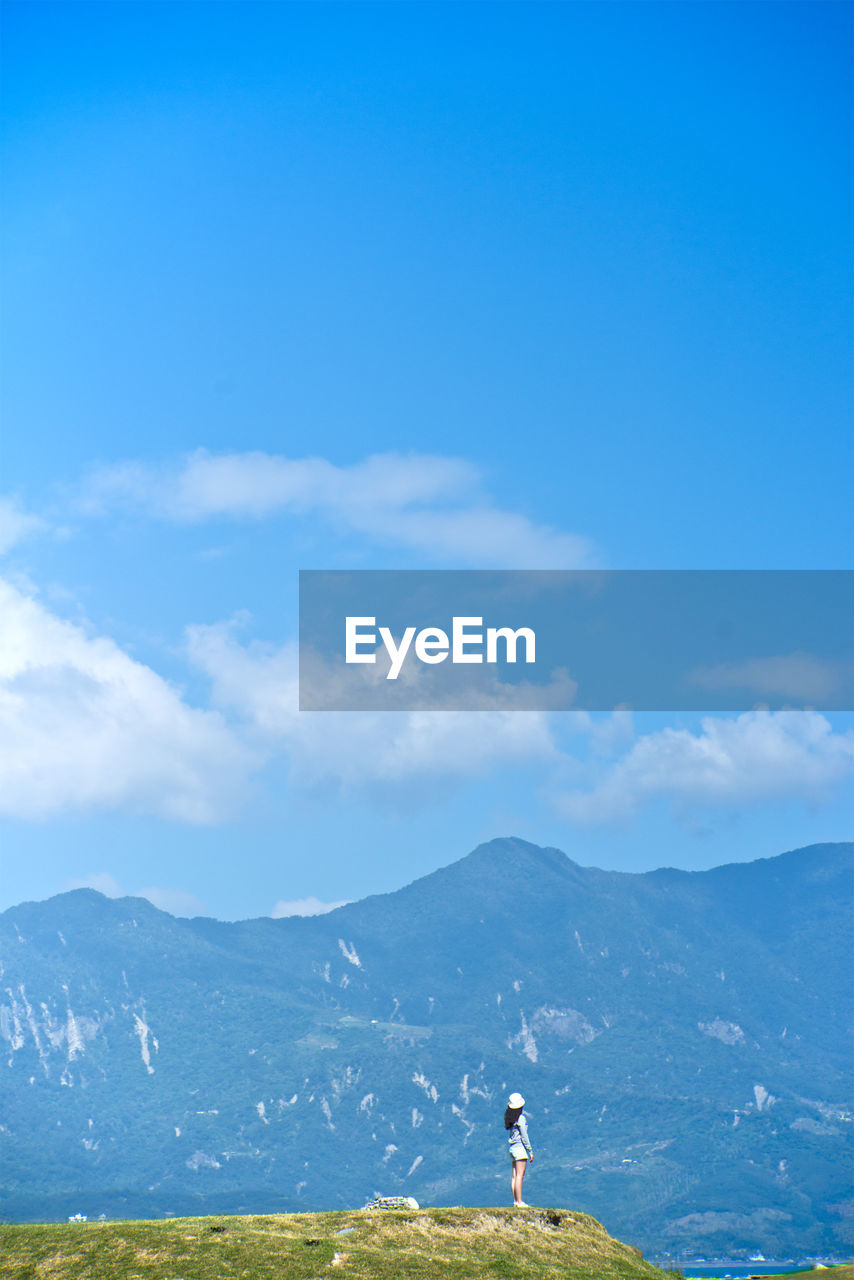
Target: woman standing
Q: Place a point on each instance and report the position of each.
(520, 1148)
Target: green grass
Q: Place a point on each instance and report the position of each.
(429, 1244)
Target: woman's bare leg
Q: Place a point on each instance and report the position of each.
(516, 1181)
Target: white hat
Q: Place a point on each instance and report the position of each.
(515, 1101)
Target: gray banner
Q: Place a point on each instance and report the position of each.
(650, 640)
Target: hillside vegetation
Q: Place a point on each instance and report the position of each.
(459, 1244)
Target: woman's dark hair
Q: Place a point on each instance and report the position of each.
(511, 1115)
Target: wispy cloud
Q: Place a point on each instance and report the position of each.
(760, 757)
(750, 760)
(358, 749)
(85, 726)
(304, 907)
(16, 523)
(426, 503)
(178, 902)
(799, 676)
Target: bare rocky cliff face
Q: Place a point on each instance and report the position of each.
(683, 1040)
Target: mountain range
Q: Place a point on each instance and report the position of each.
(683, 1040)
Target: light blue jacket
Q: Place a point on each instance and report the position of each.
(519, 1133)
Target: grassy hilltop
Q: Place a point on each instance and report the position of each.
(428, 1244)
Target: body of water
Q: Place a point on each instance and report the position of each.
(742, 1269)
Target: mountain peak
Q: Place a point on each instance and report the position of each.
(516, 856)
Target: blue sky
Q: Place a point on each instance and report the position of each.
(402, 285)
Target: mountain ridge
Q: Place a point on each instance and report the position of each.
(683, 1039)
(499, 843)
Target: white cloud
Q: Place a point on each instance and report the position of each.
(304, 907)
(800, 676)
(756, 758)
(430, 504)
(259, 681)
(83, 726)
(759, 757)
(16, 523)
(606, 734)
(176, 901)
(356, 749)
(327, 685)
